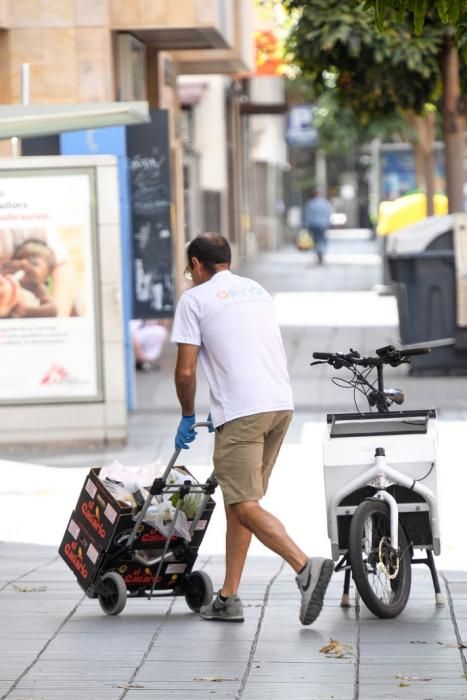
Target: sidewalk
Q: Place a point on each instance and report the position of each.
(56, 643)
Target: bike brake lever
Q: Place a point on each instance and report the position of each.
(338, 364)
(319, 362)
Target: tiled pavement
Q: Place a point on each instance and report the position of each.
(57, 644)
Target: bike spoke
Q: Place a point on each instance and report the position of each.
(384, 587)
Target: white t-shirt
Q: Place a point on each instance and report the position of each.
(232, 319)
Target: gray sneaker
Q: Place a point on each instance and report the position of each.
(312, 583)
(230, 610)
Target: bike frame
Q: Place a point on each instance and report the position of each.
(382, 475)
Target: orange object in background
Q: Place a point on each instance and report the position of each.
(269, 57)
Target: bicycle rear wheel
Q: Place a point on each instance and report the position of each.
(382, 575)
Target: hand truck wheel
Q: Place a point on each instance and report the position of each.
(198, 590)
(112, 593)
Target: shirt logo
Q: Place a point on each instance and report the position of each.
(240, 292)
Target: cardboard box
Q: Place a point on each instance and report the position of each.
(100, 526)
(109, 521)
(138, 576)
(81, 553)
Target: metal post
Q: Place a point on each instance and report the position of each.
(25, 92)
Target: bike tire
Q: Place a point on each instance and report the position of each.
(384, 596)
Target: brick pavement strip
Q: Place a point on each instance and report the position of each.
(56, 643)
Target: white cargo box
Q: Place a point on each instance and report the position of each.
(408, 439)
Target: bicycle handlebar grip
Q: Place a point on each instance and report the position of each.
(416, 351)
(322, 355)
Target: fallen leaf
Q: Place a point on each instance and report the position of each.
(419, 642)
(336, 649)
(214, 679)
(128, 686)
(332, 647)
(29, 589)
(404, 685)
(453, 645)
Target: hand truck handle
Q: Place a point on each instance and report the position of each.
(173, 459)
(159, 482)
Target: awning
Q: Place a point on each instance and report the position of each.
(39, 120)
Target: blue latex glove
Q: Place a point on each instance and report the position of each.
(210, 426)
(185, 432)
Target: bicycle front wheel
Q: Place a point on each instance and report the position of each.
(382, 575)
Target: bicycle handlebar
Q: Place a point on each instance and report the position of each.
(322, 355)
(387, 355)
(415, 351)
(390, 349)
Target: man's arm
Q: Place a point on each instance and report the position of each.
(185, 377)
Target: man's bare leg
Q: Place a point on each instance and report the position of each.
(238, 539)
(270, 531)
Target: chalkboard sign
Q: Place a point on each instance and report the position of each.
(149, 164)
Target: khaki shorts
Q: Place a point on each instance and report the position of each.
(245, 450)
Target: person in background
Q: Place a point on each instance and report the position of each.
(229, 323)
(317, 219)
(148, 338)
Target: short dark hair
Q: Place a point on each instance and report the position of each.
(211, 249)
(35, 247)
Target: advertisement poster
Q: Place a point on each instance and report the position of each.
(398, 172)
(151, 202)
(48, 345)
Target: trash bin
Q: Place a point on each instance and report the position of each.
(427, 277)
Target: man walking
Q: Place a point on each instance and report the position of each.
(228, 322)
(317, 220)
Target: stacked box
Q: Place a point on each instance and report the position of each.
(81, 553)
(94, 541)
(109, 521)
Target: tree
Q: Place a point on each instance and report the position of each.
(454, 14)
(339, 128)
(377, 74)
(450, 12)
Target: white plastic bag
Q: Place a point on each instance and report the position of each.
(120, 492)
(132, 477)
(129, 484)
(161, 517)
